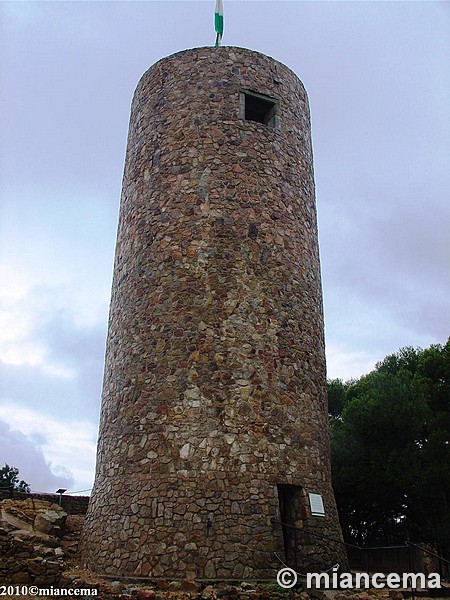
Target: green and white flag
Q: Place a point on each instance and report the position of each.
(218, 21)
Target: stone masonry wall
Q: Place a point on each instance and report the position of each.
(72, 505)
(30, 541)
(214, 387)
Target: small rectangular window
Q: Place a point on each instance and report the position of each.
(316, 504)
(259, 108)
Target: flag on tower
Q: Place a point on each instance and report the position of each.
(218, 21)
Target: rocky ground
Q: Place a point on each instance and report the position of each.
(38, 547)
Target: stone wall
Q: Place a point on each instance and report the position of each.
(31, 546)
(72, 505)
(214, 391)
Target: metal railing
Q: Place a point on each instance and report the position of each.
(401, 558)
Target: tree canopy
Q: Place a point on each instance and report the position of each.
(9, 480)
(390, 442)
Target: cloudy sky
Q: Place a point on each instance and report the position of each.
(379, 86)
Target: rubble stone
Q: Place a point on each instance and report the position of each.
(30, 547)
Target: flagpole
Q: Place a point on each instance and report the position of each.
(218, 21)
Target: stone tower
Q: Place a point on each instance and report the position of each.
(214, 419)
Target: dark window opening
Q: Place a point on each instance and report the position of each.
(292, 512)
(261, 109)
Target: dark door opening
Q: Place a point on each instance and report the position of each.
(290, 501)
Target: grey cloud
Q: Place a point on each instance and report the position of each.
(17, 450)
(77, 348)
(81, 348)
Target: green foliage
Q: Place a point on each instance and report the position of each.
(9, 480)
(336, 397)
(390, 442)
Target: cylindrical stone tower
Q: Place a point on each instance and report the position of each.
(214, 419)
